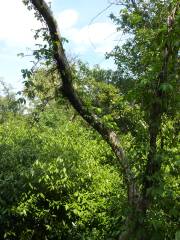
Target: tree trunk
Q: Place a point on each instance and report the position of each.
(139, 203)
(69, 92)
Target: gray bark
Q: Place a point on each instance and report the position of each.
(69, 92)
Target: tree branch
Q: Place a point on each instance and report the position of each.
(65, 72)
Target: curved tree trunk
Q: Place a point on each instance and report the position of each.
(138, 202)
(69, 92)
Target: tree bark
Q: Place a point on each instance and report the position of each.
(139, 203)
(67, 88)
(153, 165)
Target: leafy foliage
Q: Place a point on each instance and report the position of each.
(55, 180)
(59, 179)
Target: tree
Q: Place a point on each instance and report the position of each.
(8, 102)
(151, 59)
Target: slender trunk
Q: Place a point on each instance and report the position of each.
(153, 163)
(135, 224)
(153, 166)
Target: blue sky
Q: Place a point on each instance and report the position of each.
(88, 40)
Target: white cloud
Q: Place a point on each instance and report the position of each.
(94, 33)
(16, 23)
(97, 36)
(67, 19)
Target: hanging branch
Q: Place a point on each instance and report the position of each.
(69, 92)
